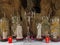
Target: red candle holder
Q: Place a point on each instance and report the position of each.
(10, 39)
(47, 39)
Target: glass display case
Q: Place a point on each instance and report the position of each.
(4, 28)
(14, 25)
(55, 28)
(19, 33)
(45, 26)
(28, 23)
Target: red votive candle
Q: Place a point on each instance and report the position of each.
(47, 39)
(10, 39)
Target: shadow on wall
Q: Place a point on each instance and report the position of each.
(36, 6)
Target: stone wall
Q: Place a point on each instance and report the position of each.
(48, 7)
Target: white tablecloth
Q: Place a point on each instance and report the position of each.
(30, 43)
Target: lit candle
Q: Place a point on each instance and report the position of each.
(10, 39)
(47, 39)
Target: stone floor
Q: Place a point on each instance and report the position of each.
(29, 43)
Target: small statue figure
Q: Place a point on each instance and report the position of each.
(39, 35)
